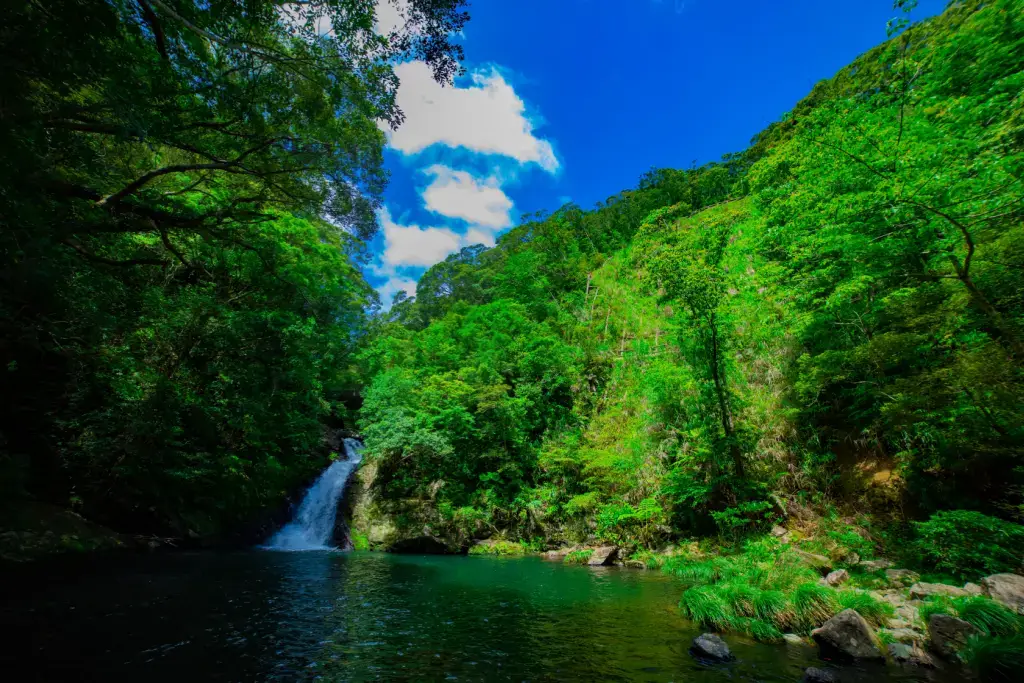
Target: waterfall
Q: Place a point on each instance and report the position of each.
(313, 524)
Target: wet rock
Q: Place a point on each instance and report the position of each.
(819, 562)
(604, 556)
(921, 591)
(911, 655)
(847, 636)
(904, 635)
(874, 565)
(901, 577)
(836, 578)
(793, 639)
(948, 634)
(816, 675)
(710, 646)
(1007, 589)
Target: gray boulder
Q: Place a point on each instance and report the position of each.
(973, 589)
(602, 557)
(815, 675)
(836, 578)
(921, 591)
(874, 565)
(819, 562)
(847, 636)
(901, 577)
(948, 634)
(1007, 589)
(911, 655)
(710, 646)
(904, 635)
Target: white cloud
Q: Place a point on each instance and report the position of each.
(475, 236)
(458, 194)
(486, 117)
(390, 16)
(393, 286)
(411, 245)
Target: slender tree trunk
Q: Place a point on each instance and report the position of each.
(721, 392)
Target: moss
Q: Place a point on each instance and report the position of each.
(359, 541)
(499, 548)
(578, 556)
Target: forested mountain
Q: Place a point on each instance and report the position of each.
(834, 316)
(186, 191)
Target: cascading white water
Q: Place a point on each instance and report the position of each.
(313, 524)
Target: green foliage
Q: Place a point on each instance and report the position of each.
(990, 617)
(814, 604)
(706, 606)
(969, 544)
(877, 612)
(499, 548)
(995, 660)
(359, 541)
(578, 556)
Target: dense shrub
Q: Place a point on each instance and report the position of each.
(969, 544)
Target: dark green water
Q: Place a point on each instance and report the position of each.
(318, 616)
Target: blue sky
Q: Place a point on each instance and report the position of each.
(575, 99)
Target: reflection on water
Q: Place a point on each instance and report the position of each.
(253, 616)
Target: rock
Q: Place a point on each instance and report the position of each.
(836, 578)
(419, 545)
(710, 646)
(815, 675)
(904, 635)
(912, 655)
(973, 589)
(847, 636)
(636, 564)
(819, 562)
(555, 555)
(778, 531)
(920, 591)
(1007, 589)
(852, 559)
(901, 577)
(908, 613)
(949, 634)
(897, 623)
(602, 557)
(793, 639)
(874, 565)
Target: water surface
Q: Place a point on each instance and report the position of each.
(332, 616)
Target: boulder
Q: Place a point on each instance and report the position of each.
(555, 555)
(973, 589)
(604, 556)
(836, 578)
(793, 639)
(908, 613)
(874, 565)
(815, 675)
(847, 636)
(949, 634)
(636, 564)
(1007, 589)
(710, 646)
(778, 531)
(921, 591)
(819, 562)
(901, 577)
(911, 655)
(904, 635)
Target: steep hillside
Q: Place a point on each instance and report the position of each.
(832, 318)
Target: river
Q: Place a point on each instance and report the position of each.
(350, 616)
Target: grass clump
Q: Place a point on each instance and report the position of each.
(706, 606)
(995, 660)
(578, 556)
(499, 548)
(875, 611)
(813, 605)
(988, 616)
